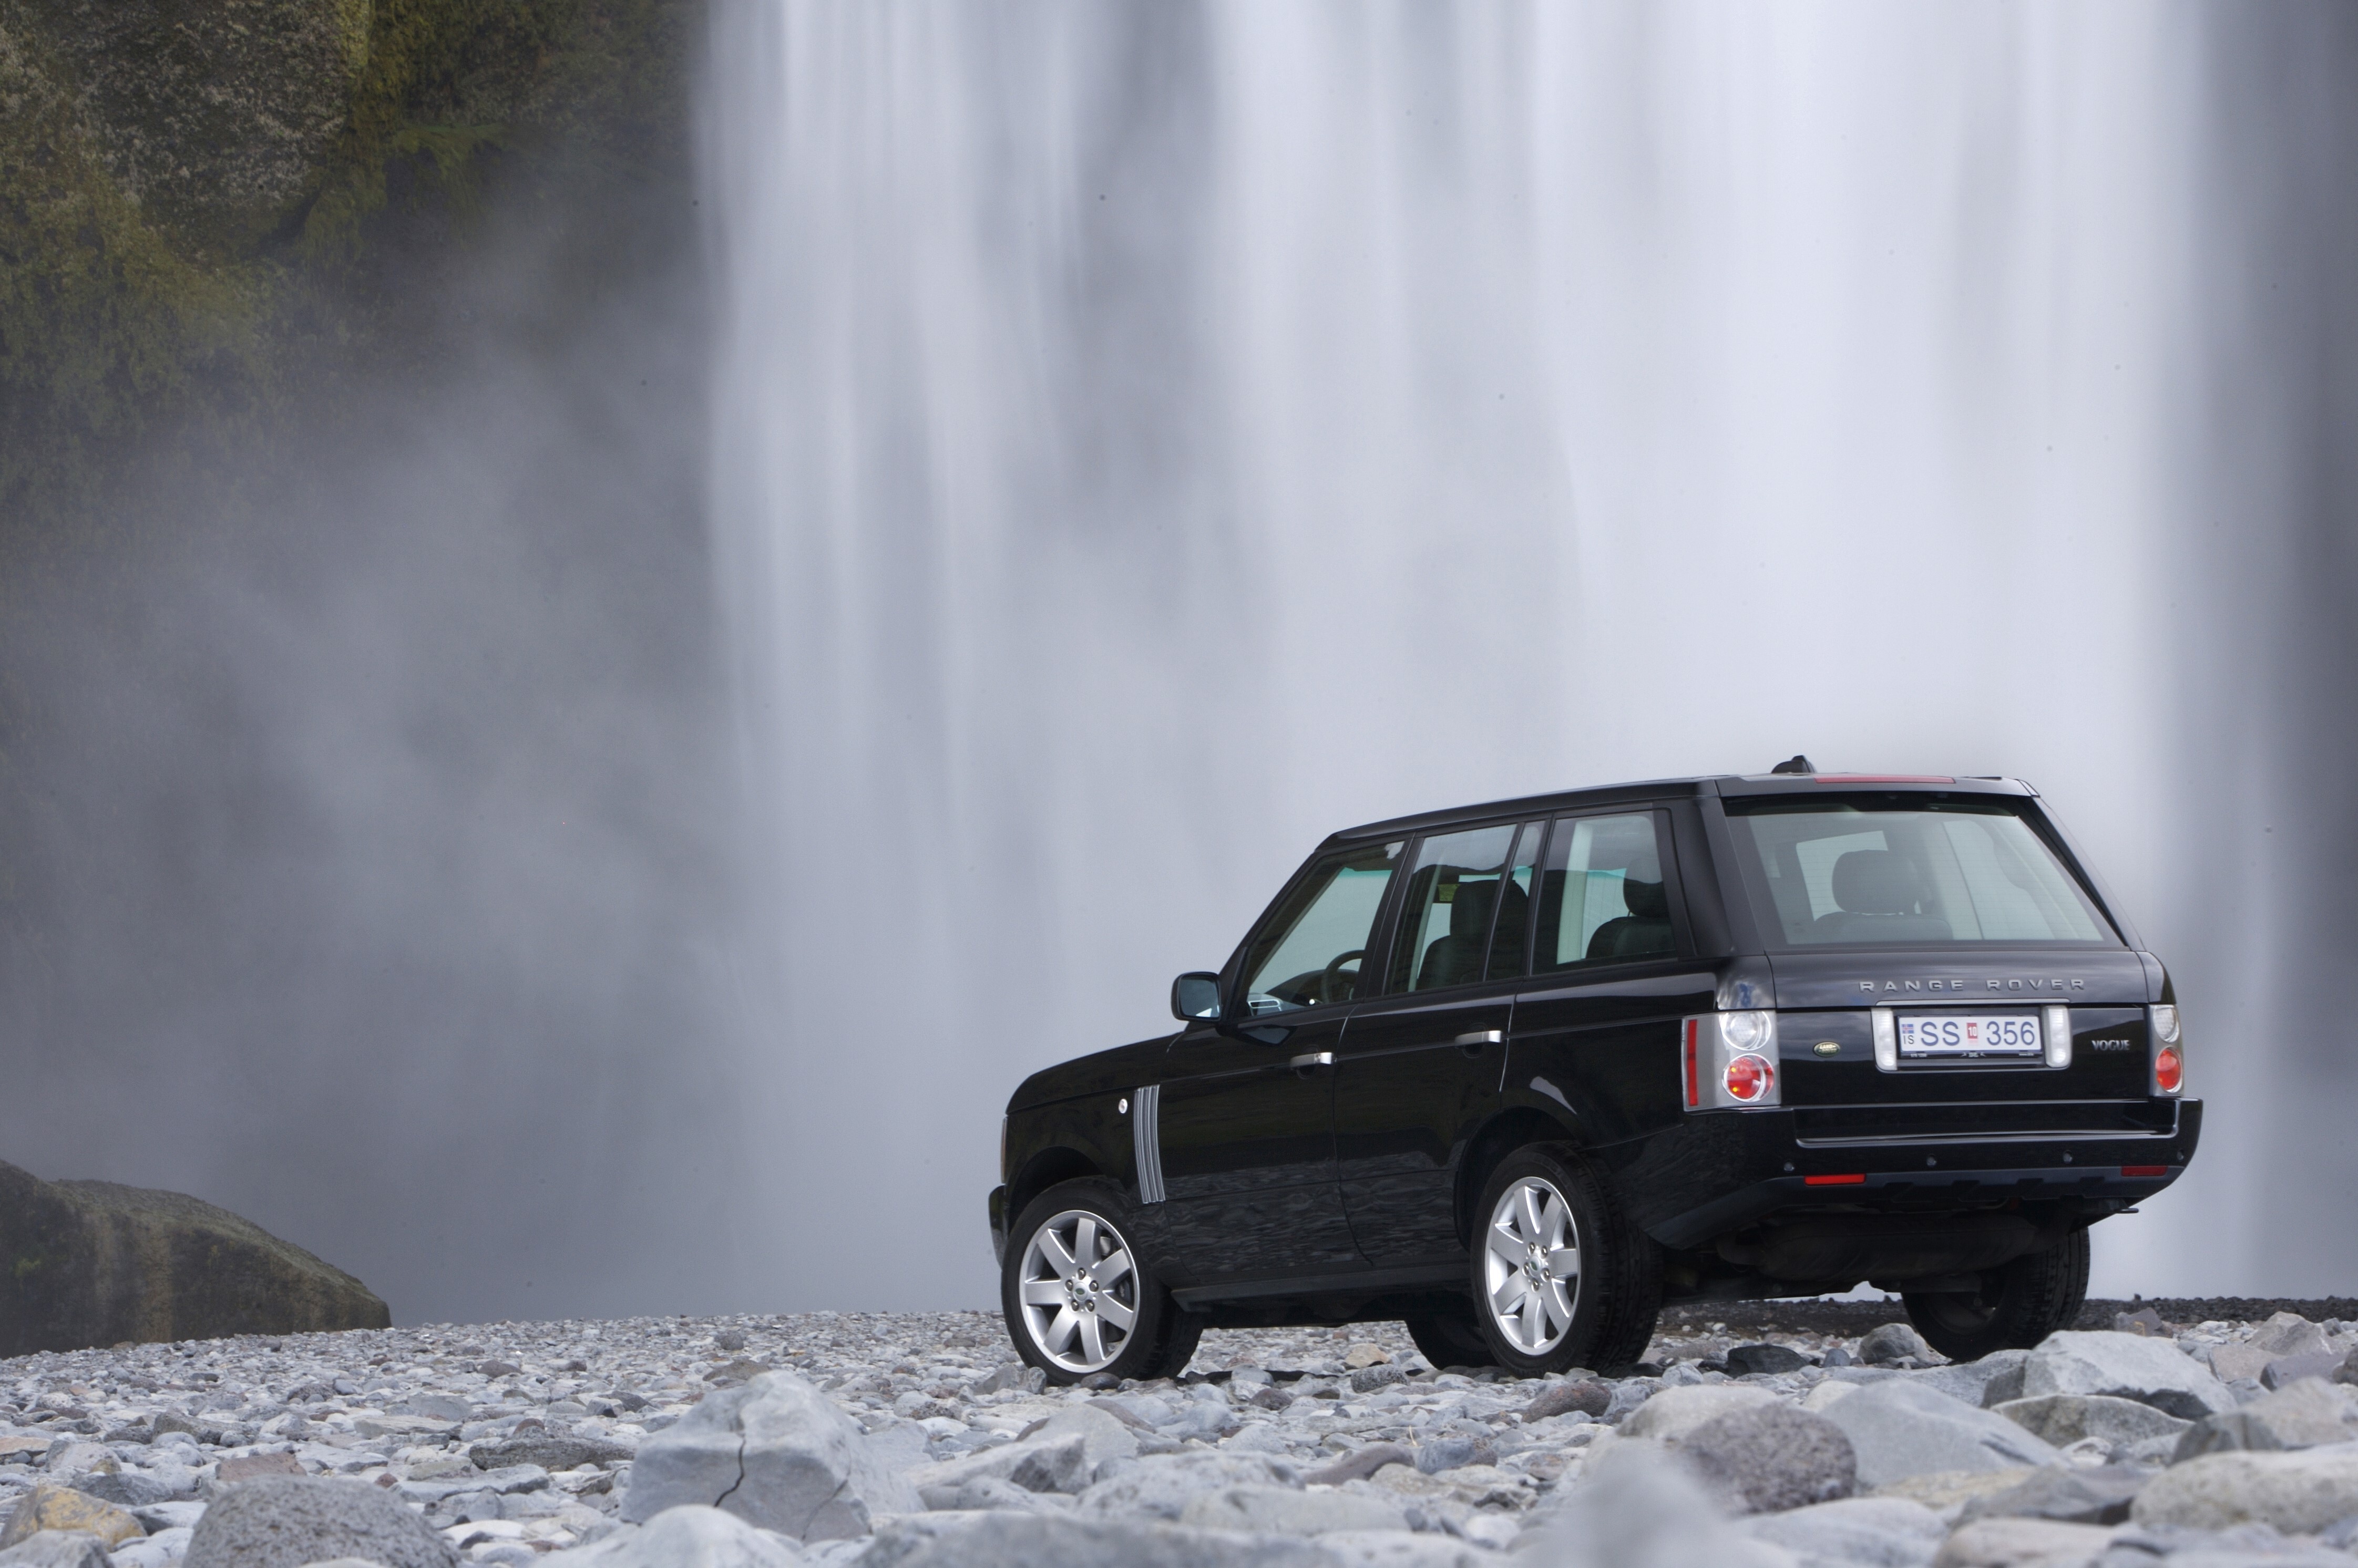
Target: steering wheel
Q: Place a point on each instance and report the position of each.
(1330, 980)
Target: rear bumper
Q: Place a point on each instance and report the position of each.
(999, 1224)
(1726, 1170)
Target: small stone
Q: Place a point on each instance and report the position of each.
(1854, 1531)
(51, 1506)
(690, 1536)
(1569, 1394)
(500, 1369)
(1746, 1360)
(550, 1452)
(2143, 1321)
(1049, 1464)
(1672, 1414)
(1368, 1379)
(2289, 1334)
(1282, 1510)
(253, 1467)
(1364, 1355)
(1359, 1464)
(1271, 1397)
(2101, 1495)
(2299, 1494)
(2285, 1370)
(1900, 1430)
(58, 1549)
(1453, 1453)
(1013, 1375)
(738, 1371)
(2125, 1366)
(2065, 1419)
(1836, 1356)
(2305, 1414)
(1893, 1342)
(773, 1452)
(2022, 1543)
(729, 1339)
(1771, 1457)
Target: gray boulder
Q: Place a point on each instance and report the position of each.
(1867, 1533)
(1282, 1510)
(2023, 1543)
(2289, 1334)
(2125, 1366)
(550, 1451)
(773, 1452)
(1996, 1378)
(286, 1522)
(1769, 1458)
(1568, 1395)
(1048, 1540)
(1159, 1485)
(692, 1536)
(2299, 1494)
(56, 1549)
(1891, 1342)
(2097, 1496)
(1900, 1430)
(1674, 1412)
(2065, 1419)
(2307, 1414)
(2288, 1369)
(1039, 1464)
(1745, 1360)
(1104, 1435)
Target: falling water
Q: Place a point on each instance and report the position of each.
(1153, 436)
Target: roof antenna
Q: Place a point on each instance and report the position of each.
(1797, 763)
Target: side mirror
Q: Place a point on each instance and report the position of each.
(1196, 995)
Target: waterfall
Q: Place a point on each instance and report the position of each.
(1153, 436)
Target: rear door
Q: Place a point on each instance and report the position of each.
(1420, 1066)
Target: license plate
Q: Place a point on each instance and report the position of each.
(1944, 1034)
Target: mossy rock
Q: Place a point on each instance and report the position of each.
(92, 1263)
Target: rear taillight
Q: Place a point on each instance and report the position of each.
(2169, 1051)
(1729, 1060)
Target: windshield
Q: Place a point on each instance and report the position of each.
(1915, 869)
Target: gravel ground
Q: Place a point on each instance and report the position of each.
(517, 1440)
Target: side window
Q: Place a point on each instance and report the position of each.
(1312, 949)
(1453, 890)
(1602, 898)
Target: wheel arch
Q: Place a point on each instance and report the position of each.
(1517, 1128)
(1042, 1171)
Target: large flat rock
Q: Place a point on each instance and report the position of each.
(90, 1262)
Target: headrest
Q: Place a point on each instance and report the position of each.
(1877, 882)
(1647, 900)
(1469, 910)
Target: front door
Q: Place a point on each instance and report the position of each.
(1246, 1110)
(1420, 1068)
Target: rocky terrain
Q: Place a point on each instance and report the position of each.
(913, 1438)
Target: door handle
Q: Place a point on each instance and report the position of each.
(1312, 1058)
(1473, 1041)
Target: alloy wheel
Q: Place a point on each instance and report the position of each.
(1531, 1266)
(1078, 1290)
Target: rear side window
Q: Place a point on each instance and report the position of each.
(1313, 946)
(1453, 893)
(1908, 868)
(1603, 897)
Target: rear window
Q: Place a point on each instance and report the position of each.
(1914, 869)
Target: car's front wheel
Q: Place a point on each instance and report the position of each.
(2016, 1305)
(1080, 1298)
(1561, 1276)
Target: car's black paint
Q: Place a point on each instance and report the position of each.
(1301, 1189)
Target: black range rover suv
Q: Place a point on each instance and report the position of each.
(1518, 1074)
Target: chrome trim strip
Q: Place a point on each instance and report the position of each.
(1146, 1141)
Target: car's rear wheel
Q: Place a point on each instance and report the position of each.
(1080, 1298)
(1561, 1277)
(1450, 1337)
(2016, 1305)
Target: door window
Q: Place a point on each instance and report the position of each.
(1507, 946)
(1602, 896)
(1453, 891)
(1312, 949)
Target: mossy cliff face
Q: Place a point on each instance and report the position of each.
(193, 193)
(90, 1262)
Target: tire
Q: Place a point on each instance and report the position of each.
(1537, 1316)
(1077, 1323)
(2018, 1303)
(1450, 1339)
